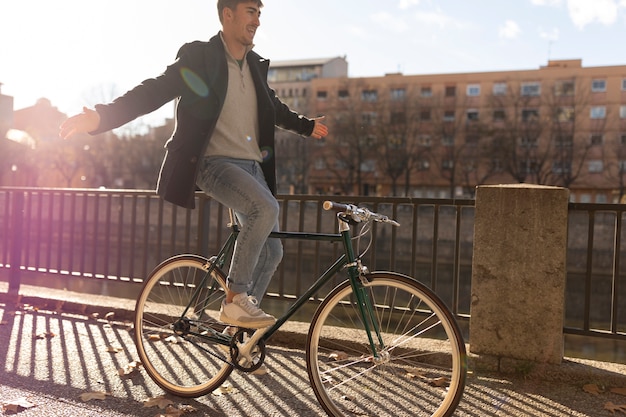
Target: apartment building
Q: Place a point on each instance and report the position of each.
(441, 135)
(292, 81)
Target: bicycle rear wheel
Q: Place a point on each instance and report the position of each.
(421, 369)
(176, 313)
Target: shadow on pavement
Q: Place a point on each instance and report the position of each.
(52, 357)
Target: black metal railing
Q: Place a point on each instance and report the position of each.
(108, 241)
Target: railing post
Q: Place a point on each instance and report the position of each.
(519, 273)
(17, 221)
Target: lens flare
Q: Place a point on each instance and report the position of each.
(194, 82)
(267, 153)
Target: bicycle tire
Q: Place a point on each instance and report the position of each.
(184, 364)
(421, 371)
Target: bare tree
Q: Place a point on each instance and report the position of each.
(518, 129)
(350, 156)
(567, 104)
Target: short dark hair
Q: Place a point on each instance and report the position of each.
(232, 4)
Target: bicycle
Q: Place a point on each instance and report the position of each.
(379, 343)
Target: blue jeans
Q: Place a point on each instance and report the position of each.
(240, 185)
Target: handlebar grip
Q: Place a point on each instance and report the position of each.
(331, 205)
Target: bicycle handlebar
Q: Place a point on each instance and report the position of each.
(358, 214)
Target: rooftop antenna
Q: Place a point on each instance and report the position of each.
(550, 42)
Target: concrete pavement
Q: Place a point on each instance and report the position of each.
(56, 346)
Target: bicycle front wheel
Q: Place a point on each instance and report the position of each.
(420, 368)
(176, 323)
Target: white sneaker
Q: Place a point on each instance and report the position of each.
(244, 312)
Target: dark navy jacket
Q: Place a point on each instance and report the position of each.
(198, 80)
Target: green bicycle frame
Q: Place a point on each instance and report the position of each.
(347, 260)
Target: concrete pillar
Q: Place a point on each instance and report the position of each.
(518, 272)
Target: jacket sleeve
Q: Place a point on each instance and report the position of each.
(148, 96)
(290, 120)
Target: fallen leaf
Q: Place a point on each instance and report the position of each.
(338, 356)
(613, 408)
(3, 322)
(129, 369)
(88, 396)
(113, 349)
(94, 315)
(620, 391)
(224, 389)
(415, 373)
(592, 389)
(46, 335)
(441, 382)
(154, 337)
(161, 401)
(109, 315)
(172, 411)
(16, 406)
(172, 339)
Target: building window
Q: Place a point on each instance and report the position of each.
(322, 95)
(528, 166)
(564, 88)
(596, 166)
(343, 94)
(596, 139)
(397, 142)
(598, 86)
(472, 140)
(531, 89)
(425, 140)
(473, 90)
(450, 91)
(622, 139)
(530, 115)
(448, 115)
(623, 84)
(499, 115)
(426, 91)
(499, 89)
(368, 118)
(369, 165)
(528, 142)
(425, 115)
(398, 94)
(447, 140)
(447, 164)
(598, 112)
(561, 167)
(398, 117)
(423, 165)
(622, 166)
(369, 95)
(564, 141)
(565, 114)
(472, 115)
(622, 112)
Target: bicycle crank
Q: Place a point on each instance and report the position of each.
(247, 349)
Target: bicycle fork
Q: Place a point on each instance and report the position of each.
(356, 273)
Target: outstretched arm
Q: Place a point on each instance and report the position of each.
(85, 122)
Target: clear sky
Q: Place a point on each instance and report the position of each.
(78, 52)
